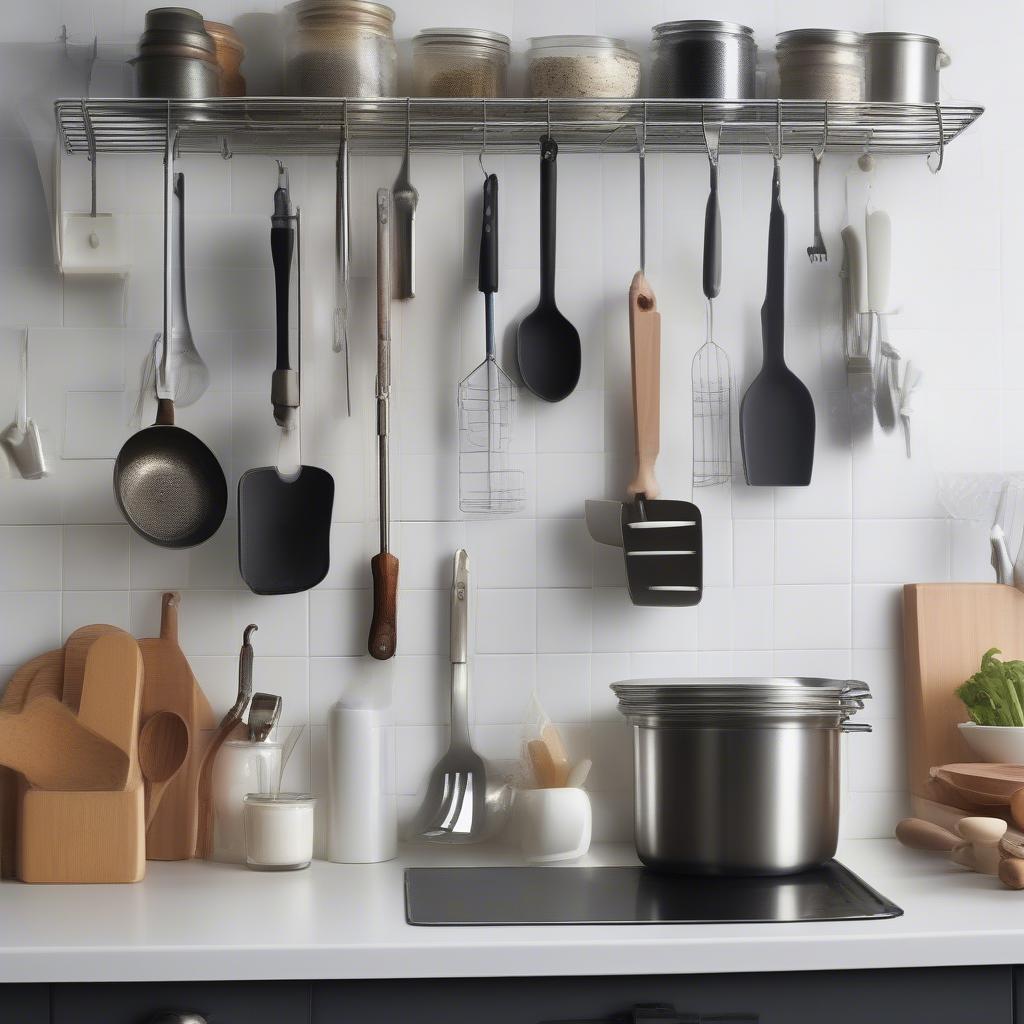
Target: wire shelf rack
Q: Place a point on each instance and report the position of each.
(299, 125)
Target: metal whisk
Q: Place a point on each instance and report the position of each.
(711, 374)
(488, 484)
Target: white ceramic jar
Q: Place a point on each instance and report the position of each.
(241, 768)
(555, 824)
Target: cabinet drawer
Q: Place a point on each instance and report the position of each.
(938, 996)
(24, 1004)
(218, 1002)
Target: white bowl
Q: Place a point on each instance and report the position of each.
(996, 744)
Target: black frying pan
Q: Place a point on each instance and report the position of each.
(168, 484)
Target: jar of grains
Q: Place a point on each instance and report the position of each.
(341, 48)
(581, 67)
(469, 62)
(821, 64)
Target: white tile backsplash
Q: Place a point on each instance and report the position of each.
(801, 580)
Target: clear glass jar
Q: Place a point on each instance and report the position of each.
(279, 829)
(341, 48)
(579, 67)
(467, 62)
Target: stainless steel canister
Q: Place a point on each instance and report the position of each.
(738, 779)
(821, 64)
(903, 67)
(703, 60)
(177, 57)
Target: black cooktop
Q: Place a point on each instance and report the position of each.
(634, 895)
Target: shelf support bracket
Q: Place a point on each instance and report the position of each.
(935, 158)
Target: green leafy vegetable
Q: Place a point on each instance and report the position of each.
(994, 695)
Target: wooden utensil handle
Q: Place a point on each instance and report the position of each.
(645, 355)
(384, 625)
(204, 835)
(918, 834)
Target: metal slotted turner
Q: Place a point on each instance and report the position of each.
(488, 483)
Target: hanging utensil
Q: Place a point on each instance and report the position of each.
(191, 374)
(284, 511)
(462, 804)
(169, 486)
(711, 376)
(878, 238)
(384, 565)
(405, 199)
(264, 714)
(341, 256)
(204, 837)
(21, 439)
(777, 412)
(816, 252)
(661, 539)
(488, 398)
(164, 743)
(547, 345)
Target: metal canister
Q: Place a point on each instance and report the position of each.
(903, 67)
(821, 64)
(703, 60)
(177, 56)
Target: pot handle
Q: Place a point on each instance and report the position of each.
(855, 727)
(942, 59)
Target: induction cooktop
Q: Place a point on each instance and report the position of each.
(634, 895)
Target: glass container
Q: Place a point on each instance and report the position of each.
(279, 830)
(460, 62)
(582, 67)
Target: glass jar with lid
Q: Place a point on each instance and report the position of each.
(821, 64)
(341, 48)
(582, 66)
(467, 62)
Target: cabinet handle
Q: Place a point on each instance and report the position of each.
(178, 1017)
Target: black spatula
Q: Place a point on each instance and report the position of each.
(284, 520)
(777, 412)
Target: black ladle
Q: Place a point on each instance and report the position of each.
(547, 345)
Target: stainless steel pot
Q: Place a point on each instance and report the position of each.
(747, 787)
(903, 67)
(703, 60)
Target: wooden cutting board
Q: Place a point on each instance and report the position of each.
(76, 649)
(41, 676)
(171, 686)
(947, 627)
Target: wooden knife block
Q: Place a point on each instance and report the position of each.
(947, 627)
(81, 837)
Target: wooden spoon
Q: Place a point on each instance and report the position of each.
(163, 746)
(53, 750)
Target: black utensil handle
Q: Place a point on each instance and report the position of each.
(712, 240)
(774, 308)
(548, 210)
(384, 625)
(282, 244)
(488, 281)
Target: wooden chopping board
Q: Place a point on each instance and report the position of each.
(947, 627)
(41, 676)
(171, 686)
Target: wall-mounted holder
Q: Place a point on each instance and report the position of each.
(89, 243)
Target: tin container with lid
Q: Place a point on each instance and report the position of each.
(903, 67)
(703, 60)
(581, 67)
(467, 62)
(821, 64)
(177, 56)
(341, 48)
(738, 776)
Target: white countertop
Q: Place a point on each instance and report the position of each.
(198, 921)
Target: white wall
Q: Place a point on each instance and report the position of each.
(798, 581)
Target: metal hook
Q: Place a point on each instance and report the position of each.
(712, 153)
(90, 141)
(548, 103)
(483, 143)
(824, 131)
(778, 128)
(408, 122)
(225, 148)
(935, 165)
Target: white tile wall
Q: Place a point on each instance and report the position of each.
(798, 581)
